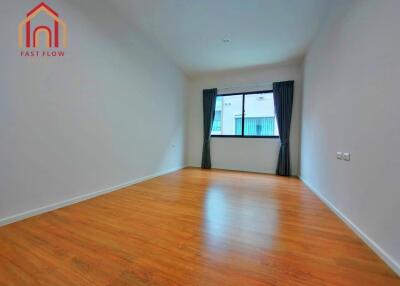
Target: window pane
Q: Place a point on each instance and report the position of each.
(227, 110)
(217, 123)
(259, 117)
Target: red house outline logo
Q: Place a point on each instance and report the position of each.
(52, 33)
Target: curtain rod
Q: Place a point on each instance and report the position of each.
(251, 85)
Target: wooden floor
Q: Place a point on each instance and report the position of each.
(192, 227)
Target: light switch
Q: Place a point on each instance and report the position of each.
(339, 155)
(346, 156)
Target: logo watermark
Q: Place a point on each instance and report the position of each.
(42, 33)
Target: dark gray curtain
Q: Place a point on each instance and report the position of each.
(283, 98)
(209, 99)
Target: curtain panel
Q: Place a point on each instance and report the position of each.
(209, 100)
(283, 99)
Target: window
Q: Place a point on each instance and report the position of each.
(245, 115)
(227, 109)
(217, 123)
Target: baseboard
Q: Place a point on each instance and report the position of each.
(74, 200)
(268, 172)
(392, 263)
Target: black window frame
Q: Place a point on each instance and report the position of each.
(243, 116)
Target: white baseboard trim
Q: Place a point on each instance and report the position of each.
(84, 197)
(267, 172)
(392, 263)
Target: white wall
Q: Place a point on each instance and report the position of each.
(351, 103)
(110, 112)
(258, 155)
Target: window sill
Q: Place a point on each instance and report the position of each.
(238, 136)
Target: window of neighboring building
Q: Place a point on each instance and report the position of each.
(245, 115)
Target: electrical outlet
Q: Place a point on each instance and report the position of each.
(339, 155)
(346, 156)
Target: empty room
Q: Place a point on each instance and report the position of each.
(199, 142)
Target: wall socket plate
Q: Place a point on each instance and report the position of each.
(339, 155)
(346, 156)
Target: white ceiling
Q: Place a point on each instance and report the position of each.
(261, 32)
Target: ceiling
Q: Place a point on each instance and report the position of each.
(259, 32)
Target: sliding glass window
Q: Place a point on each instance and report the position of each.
(249, 114)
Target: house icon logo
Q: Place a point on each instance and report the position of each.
(43, 29)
